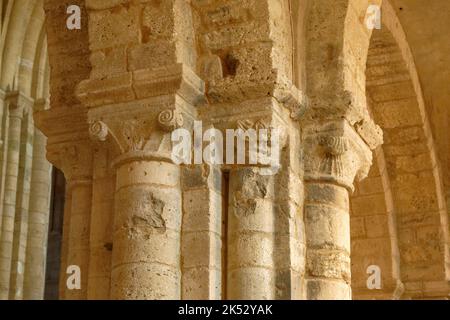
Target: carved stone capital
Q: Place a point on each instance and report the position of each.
(139, 130)
(68, 146)
(336, 153)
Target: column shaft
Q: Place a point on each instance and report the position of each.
(9, 201)
(202, 232)
(328, 242)
(65, 244)
(251, 273)
(22, 206)
(4, 129)
(78, 239)
(36, 249)
(146, 238)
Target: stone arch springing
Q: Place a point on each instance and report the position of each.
(337, 45)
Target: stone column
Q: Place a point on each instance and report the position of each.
(334, 156)
(202, 273)
(74, 158)
(69, 148)
(260, 262)
(16, 112)
(3, 149)
(34, 282)
(147, 213)
(251, 273)
(77, 167)
(146, 254)
(22, 207)
(248, 79)
(142, 79)
(65, 242)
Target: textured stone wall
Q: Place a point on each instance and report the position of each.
(374, 235)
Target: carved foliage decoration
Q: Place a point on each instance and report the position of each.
(136, 134)
(252, 124)
(334, 148)
(170, 120)
(336, 154)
